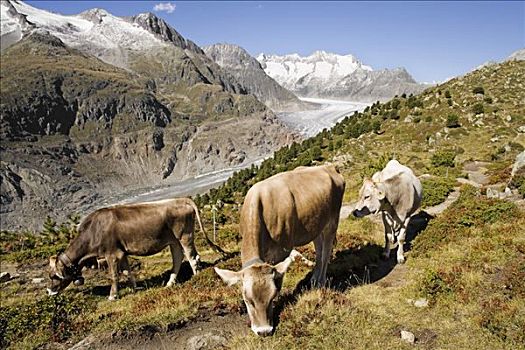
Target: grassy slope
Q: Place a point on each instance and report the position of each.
(469, 266)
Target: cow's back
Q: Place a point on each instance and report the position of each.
(292, 208)
(404, 187)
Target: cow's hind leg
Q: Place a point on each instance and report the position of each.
(188, 245)
(176, 255)
(126, 270)
(318, 244)
(328, 244)
(323, 251)
(401, 241)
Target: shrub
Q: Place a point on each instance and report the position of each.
(478, 108)
(488, 100)
(416, 119)
(471, 210)
(54, 318)
(436, 190)
(453, 121)
(478, 90)
(428, 119)
(443, 158)
(449, 101)
(376, 165)
(447, 94)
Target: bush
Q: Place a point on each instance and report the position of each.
(436, 190)
(443, 158)
(52, 318)
(453, 121)
(376, 165)
(478, 108)
(488, 100)
(478, 90)
(449, 102)
(471, 210)
(428, 119)
(447, 94)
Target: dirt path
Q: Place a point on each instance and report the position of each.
(213, 332)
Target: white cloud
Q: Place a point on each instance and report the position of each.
(164, 6)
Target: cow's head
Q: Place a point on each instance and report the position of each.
(371, 196)
(61, 276)
(261, 283)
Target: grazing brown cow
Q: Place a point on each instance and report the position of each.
(282, 212)
(134, 229)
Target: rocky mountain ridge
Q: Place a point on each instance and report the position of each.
(94, 105)
(249, 72)
(328, 75)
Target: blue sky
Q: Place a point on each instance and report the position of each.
(433, 40)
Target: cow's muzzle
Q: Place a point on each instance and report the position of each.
(359, 213)
(263, 331)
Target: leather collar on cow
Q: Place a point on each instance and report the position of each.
(252, 262)
(70, 267)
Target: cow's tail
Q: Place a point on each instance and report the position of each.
(208, 240)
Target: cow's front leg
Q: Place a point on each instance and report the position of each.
(176, 256)
(113, 267)
(401, 241)
(126, 270)
(389, 236)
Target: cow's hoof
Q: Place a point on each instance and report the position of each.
(112, 298)
(400, 259)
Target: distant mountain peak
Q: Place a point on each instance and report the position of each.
(95, 15)
(330, 75)
(250, 73)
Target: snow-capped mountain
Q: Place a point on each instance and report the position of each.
(324, 74)
(95, 31)
(518, 55)
(250, 74)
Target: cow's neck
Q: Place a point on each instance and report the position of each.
(251, 249)
(76, 250)
(389, 209)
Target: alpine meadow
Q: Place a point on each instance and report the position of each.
(107, 118)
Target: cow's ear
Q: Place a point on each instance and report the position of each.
(381, 191)
(281, 267)
(229, 277)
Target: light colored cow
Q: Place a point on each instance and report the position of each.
(282, 212)
(395, 192)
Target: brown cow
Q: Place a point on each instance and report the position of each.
(134, 229)
(282, 212)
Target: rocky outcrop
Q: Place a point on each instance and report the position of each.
(163, 31)
(78, 131)
(250, 74)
